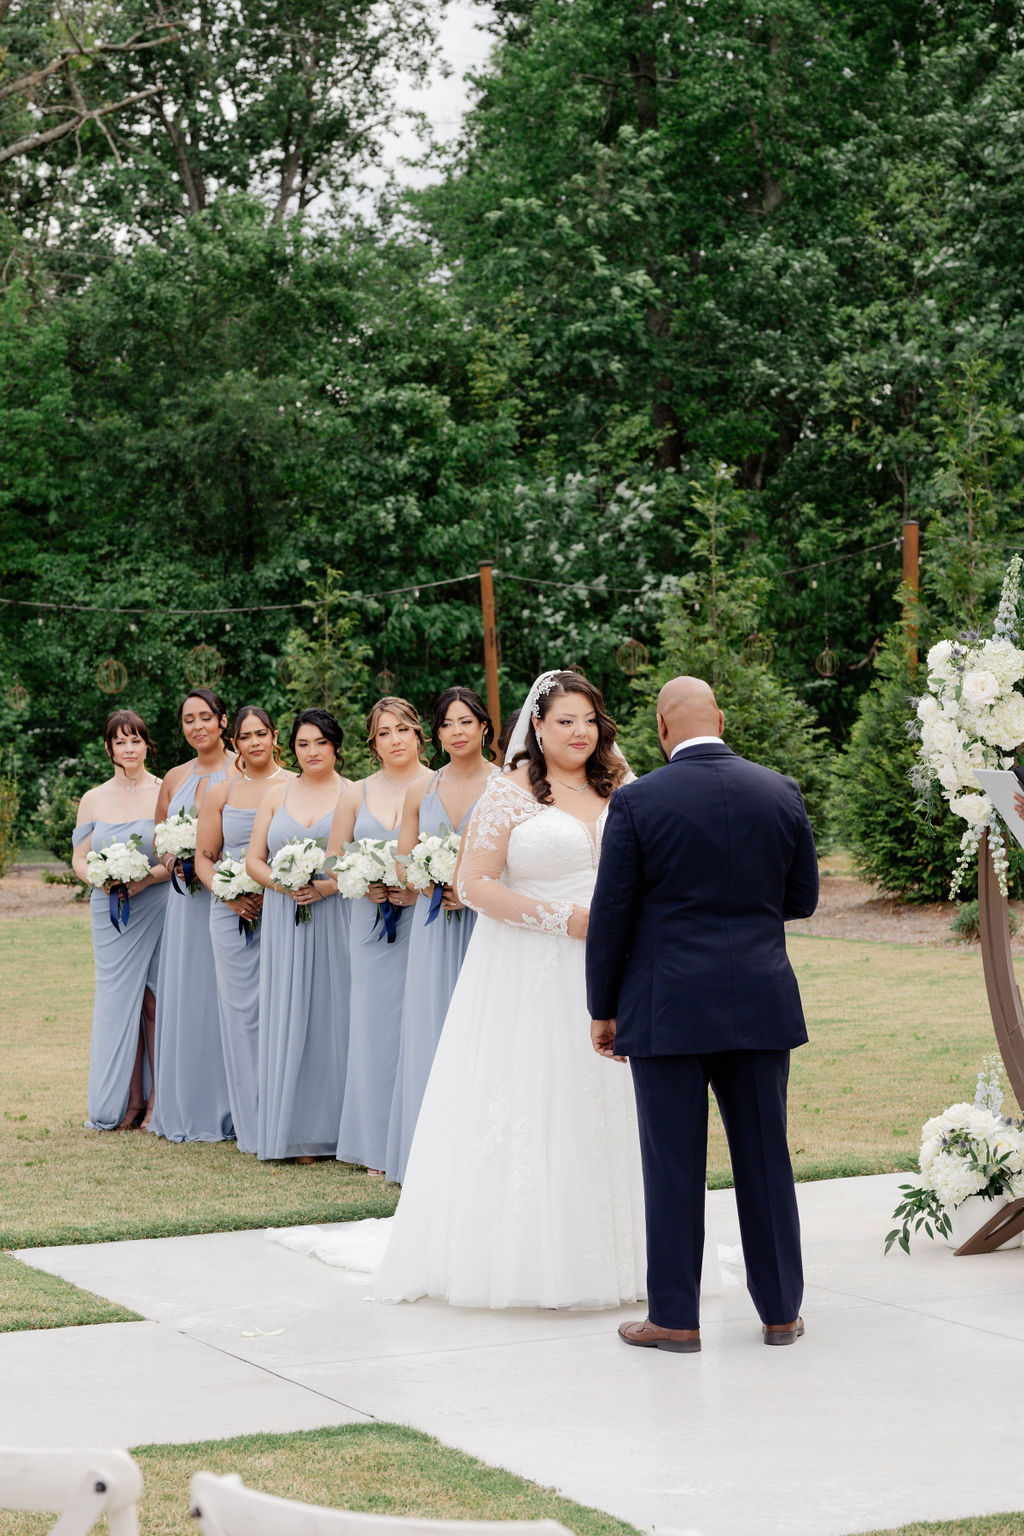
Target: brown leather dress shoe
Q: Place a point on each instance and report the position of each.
(647, 1335)
(783, 1333)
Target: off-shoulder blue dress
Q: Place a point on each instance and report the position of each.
(127, 962)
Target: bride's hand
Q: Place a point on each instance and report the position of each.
(578, 923)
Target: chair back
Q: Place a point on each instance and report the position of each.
(80, 1484)
(224, 1506)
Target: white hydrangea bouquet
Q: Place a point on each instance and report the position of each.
(294, 865)
(231, 880)
(113, 869)
(177, 836)
(370, 861)
(970, 1149)
(432, 863)
(973, 717)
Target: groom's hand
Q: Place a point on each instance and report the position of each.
(602, 1036)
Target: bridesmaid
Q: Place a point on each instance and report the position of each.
(225, 826)
(373, 808)
(191, 1097)
(121, 1046)
(461, 728)
(304, 971)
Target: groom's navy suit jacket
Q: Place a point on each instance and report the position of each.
(701, 863)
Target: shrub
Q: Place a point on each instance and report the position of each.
(9, 799)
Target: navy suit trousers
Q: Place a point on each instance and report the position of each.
(672, 1106)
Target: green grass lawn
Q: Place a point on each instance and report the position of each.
(896, 1034)
(388, 1469)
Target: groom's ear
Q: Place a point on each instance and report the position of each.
(661, 727)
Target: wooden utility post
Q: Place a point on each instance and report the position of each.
(490, 644)
(911, 582)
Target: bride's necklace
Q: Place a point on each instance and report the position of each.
(577, 789)
(263, 778)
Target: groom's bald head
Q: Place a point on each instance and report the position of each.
(687, 707)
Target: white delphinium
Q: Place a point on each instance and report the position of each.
(989, 1091)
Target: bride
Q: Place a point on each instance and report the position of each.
(523, 1187)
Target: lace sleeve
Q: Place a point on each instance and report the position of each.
(501, 807)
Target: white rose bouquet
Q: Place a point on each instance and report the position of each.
(973, 717)
(432, 863)
(230, 881)
(970, 1149)
(370, 861)
(294, 865)
(177, 836)
(113, 869)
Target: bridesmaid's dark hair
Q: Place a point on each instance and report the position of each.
(215, 702)
(476, 706)
(125, 722)
(605, 768)
(508, 725)
(325, 724)
(264, 719)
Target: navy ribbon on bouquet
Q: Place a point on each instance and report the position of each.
(117, 902)
(388, 915)
(188, 874)
(248, 928)
(437, 897)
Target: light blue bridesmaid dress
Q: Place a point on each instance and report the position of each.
(435, 959)
(375, 1019)
(303, 1030)
(191, 1100)
(237, 965)
(126, 964)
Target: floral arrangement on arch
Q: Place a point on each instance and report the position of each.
(973, 717)
(970, 1149)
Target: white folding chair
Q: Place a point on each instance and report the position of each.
(80, 1484)
(225, 1507)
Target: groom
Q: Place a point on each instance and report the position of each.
(687, 977)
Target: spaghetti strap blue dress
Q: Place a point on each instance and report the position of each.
(303, 1013)
(127, 961)
(191, 1098)
(237, 964)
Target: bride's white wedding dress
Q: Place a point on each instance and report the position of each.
(523, 1187)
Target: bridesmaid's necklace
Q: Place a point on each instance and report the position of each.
(133, 784)
(261, 779)
(395, 783)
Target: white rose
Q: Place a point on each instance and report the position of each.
(942, 737)
(938, 660)
(973, 808)
(956, 1117)
(949, 778)
(981, 687)
(927, 709)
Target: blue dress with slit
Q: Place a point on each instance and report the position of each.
(127, 961)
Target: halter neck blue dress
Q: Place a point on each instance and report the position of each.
(126, 964)
(375, 1019)
(191, 1099)
(435, 960)
(237, 965)
(303, 1012)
